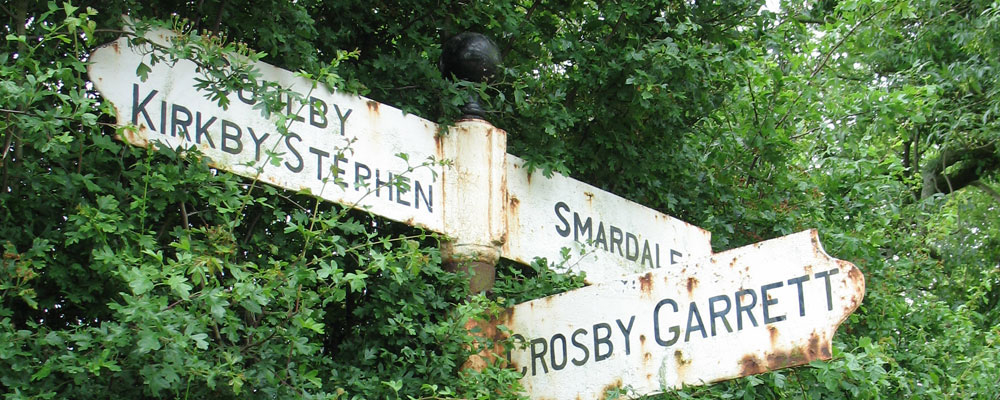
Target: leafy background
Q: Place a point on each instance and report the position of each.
(135, 273)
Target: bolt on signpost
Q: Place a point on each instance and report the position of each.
(662, 311)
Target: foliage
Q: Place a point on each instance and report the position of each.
(138, 273)
(128, 272)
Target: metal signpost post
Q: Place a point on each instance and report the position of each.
(696, 318)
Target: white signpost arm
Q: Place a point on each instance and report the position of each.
(745, 311)
(607, 236)
(339, 147)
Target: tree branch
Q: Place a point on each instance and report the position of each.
(841, 42)
(527, 18)
(8, 11)
(986, 188)
(970, 163)
(218, 18)
(808, 20)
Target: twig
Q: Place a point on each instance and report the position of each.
(753, 100)
(614, 29)
(218, 18)
(253, 223)
(400, 238)
(179, 301)
(6, 145)
(841, 42)
(527, 19)
(290, 200)
(79, 158)
(184, 215)
(793, 137)
(944, 157)
(22, 48)
(9, 12)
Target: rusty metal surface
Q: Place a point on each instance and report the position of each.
(344, 149)
(766, 306)
(608, 236)
(474, 190)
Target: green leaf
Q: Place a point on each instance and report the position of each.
(200, 340)
(310, 324)
(179, 285)
(356, 280)
(237, 383)
(148, 341)
(69, 8)
(140, 283)
(142, 71)
(42, 372)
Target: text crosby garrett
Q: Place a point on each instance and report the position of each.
(182, 125)
(674, 322)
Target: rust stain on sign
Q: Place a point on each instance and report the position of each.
(705, 323)
(751, 366)
(681, 364)
(692, 283)
(612, 386)
(646, 282)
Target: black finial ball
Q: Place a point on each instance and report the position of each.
(469, 56)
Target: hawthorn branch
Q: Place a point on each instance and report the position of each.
(614, 29)
(21, 18)
(184, 216)
(9, 138)
(22, 112)
(840, 42)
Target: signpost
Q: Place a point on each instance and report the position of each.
(694, 318)
(349, 150)
(608, 236)
(338, 147)
(757, 308)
